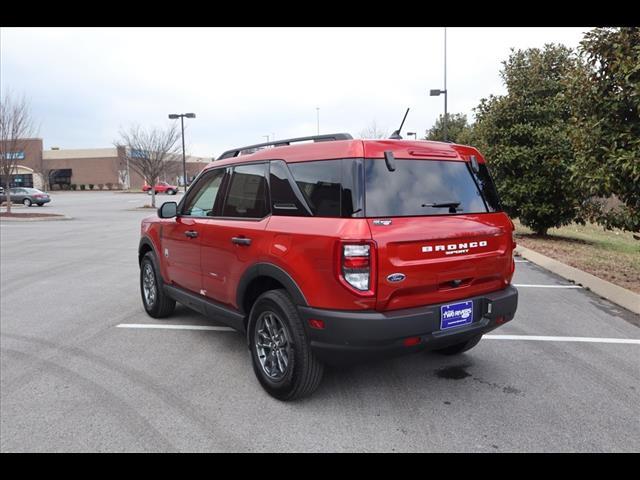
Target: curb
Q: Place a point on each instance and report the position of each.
(41, 219)
(618, 295)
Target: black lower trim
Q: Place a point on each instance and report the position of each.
(207, 307)
(352, 335)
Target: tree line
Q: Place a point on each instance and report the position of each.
(563, 143)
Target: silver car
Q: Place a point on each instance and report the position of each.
(26, 196)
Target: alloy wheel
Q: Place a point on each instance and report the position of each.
(149, 285)
(273, 345)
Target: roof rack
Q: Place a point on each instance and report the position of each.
(284, 142)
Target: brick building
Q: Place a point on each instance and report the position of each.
(64, 168)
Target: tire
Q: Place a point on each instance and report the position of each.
(460, 347)
(27, 202)
(171, 192)
(157, 304)
(303, 371)
(41, 204)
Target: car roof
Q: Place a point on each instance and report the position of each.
(356, 148)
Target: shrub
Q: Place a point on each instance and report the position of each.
(109, 185)
(605, 103)
(100, 186)
(74, 186)
(524, 136)
(82, 186)
(91, 186)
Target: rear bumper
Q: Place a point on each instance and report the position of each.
(351, 336)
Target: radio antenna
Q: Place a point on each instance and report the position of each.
(396, 135)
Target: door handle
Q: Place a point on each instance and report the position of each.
(241, 241)
(191, 233)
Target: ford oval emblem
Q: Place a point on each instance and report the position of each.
(396, 277)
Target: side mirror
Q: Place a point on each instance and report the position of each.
(168, 210)
(475, 166)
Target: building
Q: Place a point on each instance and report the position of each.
(92, 168)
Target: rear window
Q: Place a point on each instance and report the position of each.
(426, 187)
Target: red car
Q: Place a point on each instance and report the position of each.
(336, 251)
(161, 187)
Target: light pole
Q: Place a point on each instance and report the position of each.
(267, 137)
(436, 92)
(318, 119)
(181, 116)
(415, 135)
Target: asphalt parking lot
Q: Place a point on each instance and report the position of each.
(71, 380)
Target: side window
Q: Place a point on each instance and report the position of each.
(320, 183)
(284, 201)
(202, 203)
(247, 192)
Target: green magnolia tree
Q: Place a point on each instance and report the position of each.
(604, 90)
(524, 136)
(458, 129)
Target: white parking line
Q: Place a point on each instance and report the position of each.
(521, 261)
(490, 337)
(563, 339)
(545, 286)
(175, 327)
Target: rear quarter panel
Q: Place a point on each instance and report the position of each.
(305, 248)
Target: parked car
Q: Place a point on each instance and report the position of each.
(336, 251)
(161, 187)
(26, 196)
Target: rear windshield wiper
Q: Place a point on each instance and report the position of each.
(442, 205)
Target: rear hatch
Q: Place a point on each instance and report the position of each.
(439, 232)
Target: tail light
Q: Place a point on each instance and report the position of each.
(357, 267)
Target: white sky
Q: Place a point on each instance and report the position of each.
(243, 83)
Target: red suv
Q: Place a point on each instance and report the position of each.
(336, 250)
(161, 187)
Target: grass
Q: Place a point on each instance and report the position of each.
(612, 255)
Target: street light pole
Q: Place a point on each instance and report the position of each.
(318, 119)
(184, 159)
(445, 84)
(437, 92)
(181, 116)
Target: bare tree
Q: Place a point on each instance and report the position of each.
(16, 125)
(374, 131)
(150, 151)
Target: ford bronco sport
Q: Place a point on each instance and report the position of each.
(326, 249)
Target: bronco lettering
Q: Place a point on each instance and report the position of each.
(452, 248)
